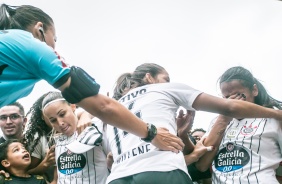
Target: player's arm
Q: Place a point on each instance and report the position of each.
(81, 89)
(213, 139)
(39, 167)
(184, 125)
(234, 108)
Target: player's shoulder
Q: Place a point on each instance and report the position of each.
(15, 34)
(171, 87)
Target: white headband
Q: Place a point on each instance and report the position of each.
(56, 100)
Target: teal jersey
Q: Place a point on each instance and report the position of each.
(25, 60)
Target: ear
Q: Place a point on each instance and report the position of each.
(5, 163)
(24, 121)
(35, 30)
(255, 90)
(149, 78)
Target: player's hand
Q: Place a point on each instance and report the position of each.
(198, 152)
(49, 159)
(3, 175)
(84, 121)
(167, 141)
(201, 149)
(110, 160)
(184, 122)
(237, 96)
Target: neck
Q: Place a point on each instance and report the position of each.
(19, 172)
(13, 136)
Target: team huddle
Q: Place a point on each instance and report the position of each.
(74, 134)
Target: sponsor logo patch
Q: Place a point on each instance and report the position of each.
(231, 158)
(70, 163)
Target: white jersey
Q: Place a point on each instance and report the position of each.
(156, 104)
(249, 152)
(89, 167)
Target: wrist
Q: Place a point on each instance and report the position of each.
(45, 163)
(151, 133)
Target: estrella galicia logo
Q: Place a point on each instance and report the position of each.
(70, 163)
(231, 158)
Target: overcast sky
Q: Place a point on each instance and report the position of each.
(196, 41)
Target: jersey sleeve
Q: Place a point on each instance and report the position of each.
(102, 128)
(37, 152)
(29, 60)
(46, 63)
(182, 94)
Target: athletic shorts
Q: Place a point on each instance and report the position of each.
(155, 177)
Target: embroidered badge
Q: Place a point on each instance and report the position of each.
(232, 132)
(248, 130)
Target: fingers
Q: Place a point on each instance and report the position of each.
(3, 173)
(163, 128)
(209, 148)
(200, 143)
(7, 175)
(172, 149)
(180, 114)
(175, 143)
(110, 155)
(167, 141)
(238, 96)
(52, 149)
(191, 113)
(82, 126)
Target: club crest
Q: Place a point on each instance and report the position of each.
(248, 130)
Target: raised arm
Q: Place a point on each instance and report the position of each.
(215, 136)
(234, 108)
(184, 124)
(112, 112)
(39, 167)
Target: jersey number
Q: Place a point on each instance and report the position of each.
(124, 133)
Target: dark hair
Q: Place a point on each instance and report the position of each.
(37, 125)
(246, 78)
(19, 105)
(51, 96)
(21, 17)
(197, 130)
(129, 81)
(4, 150)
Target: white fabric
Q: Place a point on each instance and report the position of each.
(88, 139)
(40, 150)
(89, 167)
(250, 152)
(156, 104)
